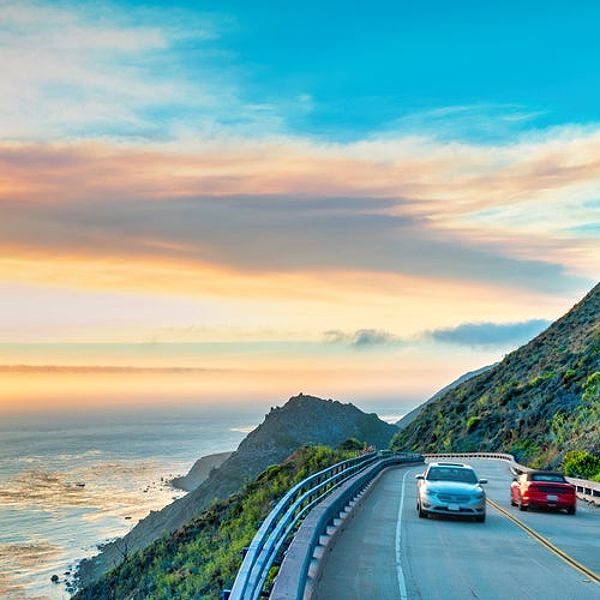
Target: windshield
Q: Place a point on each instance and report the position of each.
(451, 474)
(544, 477)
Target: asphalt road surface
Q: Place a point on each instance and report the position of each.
(387, 552)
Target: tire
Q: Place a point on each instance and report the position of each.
(522, 506)
(422, 513)
(571, 510)
(480, 518)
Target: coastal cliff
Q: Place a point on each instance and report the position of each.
(303, 420)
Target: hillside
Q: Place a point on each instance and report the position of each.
(540, 402)
(408, 418)
(302, 420)
(201, 558)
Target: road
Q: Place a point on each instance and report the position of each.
(387, 552)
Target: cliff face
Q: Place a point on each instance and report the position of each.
(200, 472)
(302, 420)
(539, 402)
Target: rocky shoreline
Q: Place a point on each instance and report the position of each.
(77, 575)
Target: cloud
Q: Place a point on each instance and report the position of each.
(490, 334)
(466, 334)
(362, 338)
(265, 235)
(108, 369)
(487, 122)
(85, 70)
(509, 215)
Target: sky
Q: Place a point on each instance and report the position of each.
(229, 202)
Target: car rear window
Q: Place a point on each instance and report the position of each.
(451, 474)
(547, 477)
(549, 489)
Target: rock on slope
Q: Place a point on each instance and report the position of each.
(408, 418)
(200, 471)
(539, 402)
(302, 420)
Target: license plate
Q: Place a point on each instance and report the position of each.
(454, 507)
(552, 498)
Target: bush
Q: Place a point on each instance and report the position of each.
(352, 445)
(581, 464)
(472, 423)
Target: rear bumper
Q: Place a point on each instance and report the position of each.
(560, 505)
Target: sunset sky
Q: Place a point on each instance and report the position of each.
(227, 201)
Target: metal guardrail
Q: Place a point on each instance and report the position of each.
(308, 549)
(283, 520)
(587, 490)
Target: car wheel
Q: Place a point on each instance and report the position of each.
(522, 506)
(480, 518)
(422, 513)
(571, 510)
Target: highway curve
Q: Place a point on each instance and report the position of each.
(451, 559)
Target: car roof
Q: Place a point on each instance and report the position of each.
(450, 464)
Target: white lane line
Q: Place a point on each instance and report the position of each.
(399, 571)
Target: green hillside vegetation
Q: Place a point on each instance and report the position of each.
(541, 403)
(200, 559)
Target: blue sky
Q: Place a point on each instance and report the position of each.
(340, 69)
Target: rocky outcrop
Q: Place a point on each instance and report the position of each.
(200, 471)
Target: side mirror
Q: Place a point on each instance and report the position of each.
(421, 476)
(482, 481)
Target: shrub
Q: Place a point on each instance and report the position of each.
(472, 423)
(584, 465)
(591, 388)
(352, 444)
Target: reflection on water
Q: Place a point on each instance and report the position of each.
(68, 484)
(75, 509)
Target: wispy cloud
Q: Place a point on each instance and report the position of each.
(107, 369)
(87, 70)
(362, 338)
(490, 334)
(487, 123)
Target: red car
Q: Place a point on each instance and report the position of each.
(542, 489)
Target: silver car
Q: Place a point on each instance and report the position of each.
(450, 489)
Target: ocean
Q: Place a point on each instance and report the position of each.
(69, 481)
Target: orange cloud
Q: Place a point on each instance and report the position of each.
(420, 170)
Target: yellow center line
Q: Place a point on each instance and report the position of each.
(547, 543)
